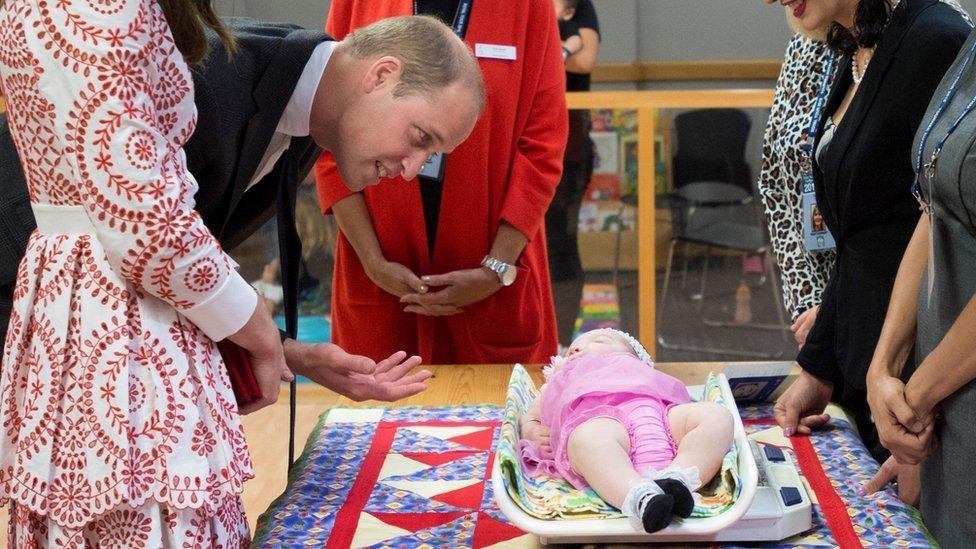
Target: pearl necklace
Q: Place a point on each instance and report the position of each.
(854, 73)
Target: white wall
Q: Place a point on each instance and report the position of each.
(633, 30)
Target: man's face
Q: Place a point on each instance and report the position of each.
(382, 136)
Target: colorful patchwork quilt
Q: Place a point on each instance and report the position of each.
(419, 477)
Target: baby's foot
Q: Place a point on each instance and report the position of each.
(684, 502)
(680, 484)
(647, 506)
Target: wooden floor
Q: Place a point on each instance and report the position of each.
(267, 430)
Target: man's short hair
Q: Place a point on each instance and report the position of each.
(571, 4)
(432, 55)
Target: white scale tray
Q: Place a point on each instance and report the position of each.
(761, 513)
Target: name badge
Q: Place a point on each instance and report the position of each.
(495, 51)
(816, 236)
(433, 168)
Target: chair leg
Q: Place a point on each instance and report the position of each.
(667, 278)
(684, 267)
(777, 296)
(704, 278)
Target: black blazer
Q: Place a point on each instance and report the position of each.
(863, 182)
(239, 103)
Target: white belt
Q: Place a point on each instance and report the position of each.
(52, 220)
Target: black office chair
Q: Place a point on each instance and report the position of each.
(713, 206)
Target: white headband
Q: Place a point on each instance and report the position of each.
(639, 349)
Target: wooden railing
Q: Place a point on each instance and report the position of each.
(669, 71)
(645, 103)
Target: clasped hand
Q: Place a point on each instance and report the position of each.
(457, 290)
(904, 430)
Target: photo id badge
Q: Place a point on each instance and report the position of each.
(433, 168)
(816, 236)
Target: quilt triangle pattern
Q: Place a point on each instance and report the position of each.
(410, 441)
(457, 533)
(464, 466)
(490, 531)
(392, 499)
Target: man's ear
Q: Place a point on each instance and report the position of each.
(384, 72)
(568, 13)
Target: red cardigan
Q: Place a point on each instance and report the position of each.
(507, 169)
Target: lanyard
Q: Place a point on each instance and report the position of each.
(819, 103)
(461, 18)
(929, 168)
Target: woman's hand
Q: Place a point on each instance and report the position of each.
(900, 429)
(907, 476)
(801, 408)
(394, 278)
(803, 324)
(460, 288)
(261, 339)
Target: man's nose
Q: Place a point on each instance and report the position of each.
(413, 163)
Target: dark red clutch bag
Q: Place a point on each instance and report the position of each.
(242, 380)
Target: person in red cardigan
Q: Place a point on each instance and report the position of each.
(414, 279)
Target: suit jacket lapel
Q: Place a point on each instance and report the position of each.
(271, 95)
(868, 89)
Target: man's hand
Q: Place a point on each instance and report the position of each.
(354, 376)
(394, 278)
(460, 288)
(908, 477)
(803, 324)
(900, 429)
(800, 408)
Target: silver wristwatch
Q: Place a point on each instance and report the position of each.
(506, 272)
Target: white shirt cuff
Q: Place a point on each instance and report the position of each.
(225, 312)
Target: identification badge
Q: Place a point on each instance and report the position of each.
(495, 51)
(433, 168)
(816, 236)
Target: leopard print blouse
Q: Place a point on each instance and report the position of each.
(780, 178)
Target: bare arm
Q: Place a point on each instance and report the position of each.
(356, 224)
(583, 61)
(898, 333)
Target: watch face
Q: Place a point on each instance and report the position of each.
(508, 277)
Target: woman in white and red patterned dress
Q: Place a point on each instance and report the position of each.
(118, 426)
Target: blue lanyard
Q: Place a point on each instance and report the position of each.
(461, 18)
(818, 105)
(946, 100)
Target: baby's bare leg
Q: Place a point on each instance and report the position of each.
(703, 433)
(599, 451)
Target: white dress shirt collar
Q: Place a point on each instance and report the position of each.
(295, 120)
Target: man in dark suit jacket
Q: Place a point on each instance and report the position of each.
(264, 115)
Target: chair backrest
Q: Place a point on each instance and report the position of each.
(711, 145)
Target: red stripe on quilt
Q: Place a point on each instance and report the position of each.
(347, 519)
(831, 505)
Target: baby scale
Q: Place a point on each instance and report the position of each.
(773, 504)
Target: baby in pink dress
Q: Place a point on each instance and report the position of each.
(607, 419)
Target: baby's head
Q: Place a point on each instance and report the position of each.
(607, 340)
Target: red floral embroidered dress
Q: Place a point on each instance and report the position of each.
(117, 422)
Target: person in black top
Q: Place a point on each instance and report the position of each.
(580, 32)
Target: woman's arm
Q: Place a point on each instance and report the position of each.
(949, 367)
(901, 427)
(898, 332)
